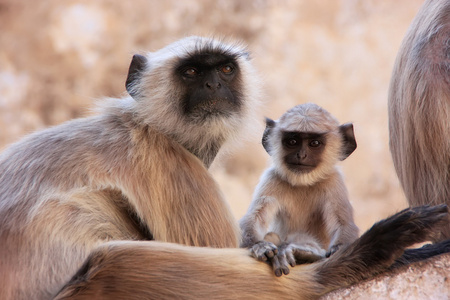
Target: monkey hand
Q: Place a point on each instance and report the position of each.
(291, 254)
(264, 250)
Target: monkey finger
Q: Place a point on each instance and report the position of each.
(270, 249)
(263, 251)
(270, 253)
(290, 257)
(266, 249)
(276, 266)
(256, 253)
(283, 264)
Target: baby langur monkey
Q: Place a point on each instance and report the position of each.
(300, 211)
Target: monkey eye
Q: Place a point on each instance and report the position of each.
(315, 143)
(227, 69)
(190, 72)
(291, 142)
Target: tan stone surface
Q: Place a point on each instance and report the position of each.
(423, 280)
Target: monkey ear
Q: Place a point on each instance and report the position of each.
(270, 124)
(348, 140)
(137, 65)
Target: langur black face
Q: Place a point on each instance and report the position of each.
(211, 83)
(302, 150)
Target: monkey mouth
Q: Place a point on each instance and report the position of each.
(300, 168)
(215, 107)
(209, 106)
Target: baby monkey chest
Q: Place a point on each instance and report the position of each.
(309, 219)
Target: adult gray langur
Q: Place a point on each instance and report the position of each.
(419, 108)
(135, 171)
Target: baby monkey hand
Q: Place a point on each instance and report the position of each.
(266, 249)
(282, 255)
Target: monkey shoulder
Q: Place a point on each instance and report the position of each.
(268, 182)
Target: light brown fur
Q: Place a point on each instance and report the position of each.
(115, 176)
(154, 270)
(75, 196)
(419, 108)
(69, 194)
(300, 207)
(309, 210)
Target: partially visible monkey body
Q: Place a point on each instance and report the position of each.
(153, 270)
(419, 108)
(135, 171)
(302, 197)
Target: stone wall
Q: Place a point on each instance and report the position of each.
(422, 280)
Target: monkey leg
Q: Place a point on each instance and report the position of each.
(306, 254)
(304, 248)
(280, 264)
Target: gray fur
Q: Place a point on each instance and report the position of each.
(310, 212)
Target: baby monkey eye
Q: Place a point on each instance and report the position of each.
(291, 142)
(227, 69)
(315, 143)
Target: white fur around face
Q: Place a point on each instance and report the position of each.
(158, 96)
(307, 118)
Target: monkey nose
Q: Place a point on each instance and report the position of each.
(301, 155)
(213, 85)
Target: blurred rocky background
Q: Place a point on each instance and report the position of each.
(58, 57)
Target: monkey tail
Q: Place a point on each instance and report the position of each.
(154, 270)
(427, 251)
(382, 247)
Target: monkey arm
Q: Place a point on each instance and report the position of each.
(340, 224)
(264, 245)
(344, 234)
(177, 198)
(256, 222)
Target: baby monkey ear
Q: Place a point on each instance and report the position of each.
(348, 140)
(138, 64)
(270, 124)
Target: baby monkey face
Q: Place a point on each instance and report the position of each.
(302, 150)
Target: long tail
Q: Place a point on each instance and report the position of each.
(427, 251)
(153, 270)
(377, 249)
